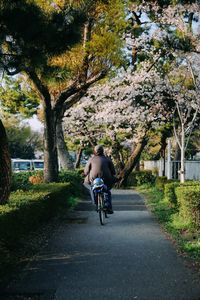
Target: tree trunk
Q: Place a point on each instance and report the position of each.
(177, 153)
(117, 156)
(65, 160)
(5, 166)
(133, 160)
(182, 170)
(78, 157)
(50, 149)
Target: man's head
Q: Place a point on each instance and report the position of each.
(98, 150)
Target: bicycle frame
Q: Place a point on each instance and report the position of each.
(99, 193)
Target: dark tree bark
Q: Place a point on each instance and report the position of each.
(117, 156)
(78, 157)
(133, 160)
(63, 154)
(5, 166)
(64, 157)
(50, 149)
(161, 152)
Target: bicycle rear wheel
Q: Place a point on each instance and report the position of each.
(101, 209)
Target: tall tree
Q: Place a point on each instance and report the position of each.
(28, 48)
(185, 92)
(31, 49)
(5, 166)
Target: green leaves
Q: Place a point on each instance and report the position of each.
(30, 34)
(18, 97)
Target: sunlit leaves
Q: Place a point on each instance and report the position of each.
(17, 97)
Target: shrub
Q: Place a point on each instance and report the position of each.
(191, 183)
(20, 181)
(73, 177)
(131, 181)
(160, 182)
(143, 177)
(169, 192)
(137, 178)
(27, 210)
(188, 198)
(69, 176)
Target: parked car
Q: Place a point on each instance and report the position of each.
(38, 164)
(24, 165)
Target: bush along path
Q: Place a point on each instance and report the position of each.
(25, 221)
(177, 208)
(128, 258)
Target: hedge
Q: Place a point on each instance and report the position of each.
(20, 181)
(188, 198)
(169, 189)
(160, 182)
(169, 192)
(137, 178)
(29, 207)
(26, 211)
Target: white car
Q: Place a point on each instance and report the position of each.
(24, 165)
(38, 164)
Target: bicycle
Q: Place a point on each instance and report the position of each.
(98, 189)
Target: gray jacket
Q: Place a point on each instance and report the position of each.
(100, 166)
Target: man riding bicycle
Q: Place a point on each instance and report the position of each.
(100, 166)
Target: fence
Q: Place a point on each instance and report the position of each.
(171, 168)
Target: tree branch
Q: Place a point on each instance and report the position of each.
(75, 88)
(175, 133)
(43, 89)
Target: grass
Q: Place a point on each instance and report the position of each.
(187, 237)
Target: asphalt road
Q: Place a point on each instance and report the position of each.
(128, 258)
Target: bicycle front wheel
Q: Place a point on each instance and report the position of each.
(101, 209)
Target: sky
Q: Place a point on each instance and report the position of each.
(35, 124)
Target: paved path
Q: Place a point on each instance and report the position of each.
(128, 258)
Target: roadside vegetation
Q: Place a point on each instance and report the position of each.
(31, 207)
(177, 207)
(124, 74)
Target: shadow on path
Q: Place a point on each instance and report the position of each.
(128, 258)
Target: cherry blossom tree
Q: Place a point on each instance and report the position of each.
(185, 92)
(130, 103)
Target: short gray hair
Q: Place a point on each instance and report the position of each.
(98, 149)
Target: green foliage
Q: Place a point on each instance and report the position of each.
(20, 181)
(160, 182)
(190, 183)
(188, 198)
(26, 212)
(35, 33)
(137, 178)
(182, 230)
(16, 96)
(23, 142)
(169, 189)
(69, 176)
(169, 192)
(74, 177)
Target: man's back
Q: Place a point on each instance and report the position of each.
(100, 166)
